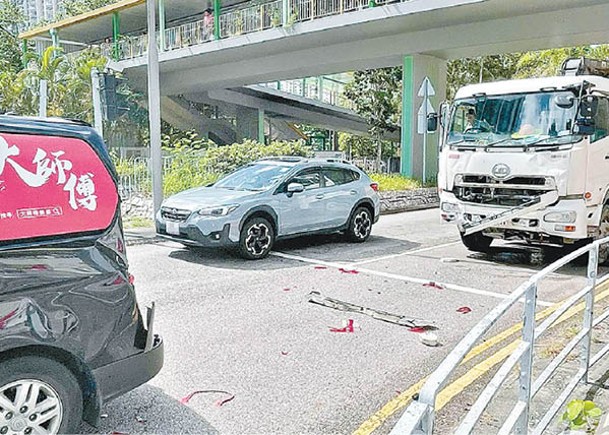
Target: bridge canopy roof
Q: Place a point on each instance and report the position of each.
(96, 25)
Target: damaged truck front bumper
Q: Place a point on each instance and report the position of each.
(564, 220)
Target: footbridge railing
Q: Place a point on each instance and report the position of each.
(419, 416)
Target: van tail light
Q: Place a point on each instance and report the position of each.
(375, 186)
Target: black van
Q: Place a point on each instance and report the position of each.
(71, 333)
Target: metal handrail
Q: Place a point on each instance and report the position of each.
(248, 19)
(419, 416)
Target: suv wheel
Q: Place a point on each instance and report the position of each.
(38, 395)
(476, 242)
(360, 225)
(256, 239)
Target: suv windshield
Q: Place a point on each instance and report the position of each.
(258, 176)
(532, 119)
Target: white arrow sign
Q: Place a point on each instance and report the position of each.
(426, 89)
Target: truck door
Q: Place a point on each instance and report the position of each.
(598, 154)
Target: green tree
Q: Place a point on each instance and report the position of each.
(548, 62)
(11, 17)
(461, 72)
(376, 96)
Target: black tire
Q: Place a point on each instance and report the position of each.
(256, 239)
(476, 242)
(48, 373)
(360, 225)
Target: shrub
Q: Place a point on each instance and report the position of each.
(391, 182)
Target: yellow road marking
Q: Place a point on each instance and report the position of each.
(401, 401)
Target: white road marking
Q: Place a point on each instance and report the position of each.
(459, 288)
(416, 251)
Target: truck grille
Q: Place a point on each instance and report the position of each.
(482, 189)
(174, 214)
(523, 181)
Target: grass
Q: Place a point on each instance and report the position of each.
(137, 222)
(392, 182)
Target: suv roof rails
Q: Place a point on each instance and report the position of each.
(50, 120)
(290, 159)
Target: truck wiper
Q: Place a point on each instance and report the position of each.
(497, 142)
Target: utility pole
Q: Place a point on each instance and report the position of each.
(43, 100)
(154, 108)
(98, 116)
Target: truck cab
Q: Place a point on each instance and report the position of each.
(529, 159)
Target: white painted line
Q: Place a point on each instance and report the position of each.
(459, 288)
(416, 251)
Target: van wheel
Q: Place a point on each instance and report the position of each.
(256, 239)
(476, 242)
(38, 395)
(603, 250)
(360, 225)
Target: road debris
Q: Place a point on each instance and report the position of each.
(287, 289)
(348, 271)
(221, 402)
(348, 328)
(433, 285)
(140, 419)
(429, 339)
(284, 353)
(449, 260)
(186, 399)
(464, 310)
(411, 322)
(320, 267)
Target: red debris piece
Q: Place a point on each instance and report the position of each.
(221, 402)
(433, 285)
(417, 329)
(184, 400)
(118, 433)
(4, 320)
(464, 310)
(284, 353)
(351, 272)
(320, 267)
(348, 328)
(287, 289)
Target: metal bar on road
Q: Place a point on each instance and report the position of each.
(154, 108)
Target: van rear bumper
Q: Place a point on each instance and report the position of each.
(120, 377)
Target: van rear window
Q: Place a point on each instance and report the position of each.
(51, 186)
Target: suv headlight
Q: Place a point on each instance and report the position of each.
(561, 216)
(222, 210)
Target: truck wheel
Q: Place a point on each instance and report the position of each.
(38, 395)
(476, 242)
(360, 225)
(256, 239)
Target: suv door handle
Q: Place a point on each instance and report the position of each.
(353, 192)
(320, 196)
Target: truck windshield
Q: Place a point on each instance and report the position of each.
(532, 119)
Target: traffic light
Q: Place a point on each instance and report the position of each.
(113, 101)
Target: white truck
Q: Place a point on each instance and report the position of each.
(529, 159)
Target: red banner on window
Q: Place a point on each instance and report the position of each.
(52, 186)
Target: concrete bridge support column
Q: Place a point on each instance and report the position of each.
(416, 68)
(250, 124)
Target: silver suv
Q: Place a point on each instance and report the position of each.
(273, 199)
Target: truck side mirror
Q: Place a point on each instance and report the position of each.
(432, 122)
(588, 106)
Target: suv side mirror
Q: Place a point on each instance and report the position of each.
(432, 122)
(295, 188)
